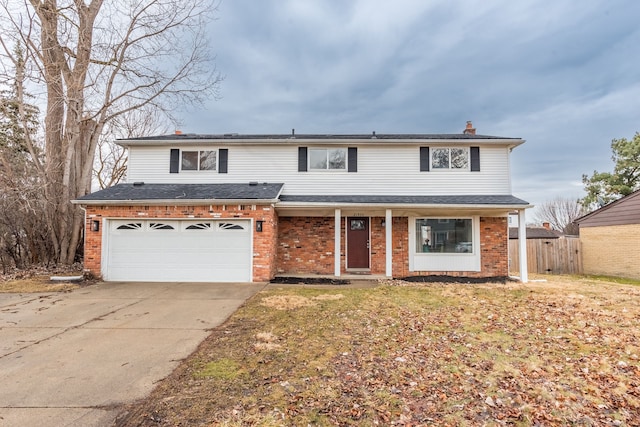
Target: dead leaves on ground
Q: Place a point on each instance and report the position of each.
(423, 355)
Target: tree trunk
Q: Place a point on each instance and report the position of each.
(70, 146)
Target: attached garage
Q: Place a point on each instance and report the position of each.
(168, 250)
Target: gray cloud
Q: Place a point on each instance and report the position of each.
(562, 75)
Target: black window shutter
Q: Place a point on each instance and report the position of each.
(352, 159)
(223, 160)
(475, 159)
(302, 159)
(424, 159)
(174, 161)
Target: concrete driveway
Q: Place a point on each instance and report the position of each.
(70, 359)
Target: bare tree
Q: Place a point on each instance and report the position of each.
(561, 213)
(95, 61)
(110, 165)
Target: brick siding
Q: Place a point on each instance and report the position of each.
(304, 245)
(611, 250)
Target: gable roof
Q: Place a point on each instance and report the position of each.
(141, 193)
(620, 212)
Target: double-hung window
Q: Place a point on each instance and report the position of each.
(201, 160)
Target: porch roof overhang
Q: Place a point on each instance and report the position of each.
(319, 205)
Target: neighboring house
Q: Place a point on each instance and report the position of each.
(548, 251)
(610, 238)
(242, 208)
(544, 232)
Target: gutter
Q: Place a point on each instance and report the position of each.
(173, 202)
(398, 205)
(510, 142)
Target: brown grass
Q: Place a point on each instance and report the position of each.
(36, 284)
(560, 352)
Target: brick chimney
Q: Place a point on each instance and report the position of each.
(469, 130)
(546, 225)
(178, 132)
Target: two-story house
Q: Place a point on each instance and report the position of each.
(242, 208)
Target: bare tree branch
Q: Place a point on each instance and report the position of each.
(561, 213)
(98, 61)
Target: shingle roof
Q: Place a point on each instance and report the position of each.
(293, 138)
(417, 200)
(141, 191)
(535, 233)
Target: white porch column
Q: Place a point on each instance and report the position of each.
(388, 221)
(522, 246)
(336, 239)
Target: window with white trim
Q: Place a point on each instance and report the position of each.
(200, 160)
(450, 158)
(327, 158)
(444, 235)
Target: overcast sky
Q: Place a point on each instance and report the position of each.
(561, 74)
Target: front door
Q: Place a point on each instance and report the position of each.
(357, 243)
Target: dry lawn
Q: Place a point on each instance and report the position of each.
(562, 352)
(36, 284)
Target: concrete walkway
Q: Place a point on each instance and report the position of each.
(71, 359)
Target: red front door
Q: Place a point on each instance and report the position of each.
(357, 242)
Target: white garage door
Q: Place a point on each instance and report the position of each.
(178, 250)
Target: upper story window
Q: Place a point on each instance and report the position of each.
(202, 160)
(198, 160)
(327, 159)
(450, 158)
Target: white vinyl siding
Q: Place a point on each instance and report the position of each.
(382, 170)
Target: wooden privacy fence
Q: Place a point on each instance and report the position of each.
(548, 256)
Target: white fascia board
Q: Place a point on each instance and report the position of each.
(510, 142)
(175, 202)
(398, 205)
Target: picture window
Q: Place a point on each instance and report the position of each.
(439, 236)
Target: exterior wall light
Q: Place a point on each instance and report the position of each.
(259, 226)
(95, 225)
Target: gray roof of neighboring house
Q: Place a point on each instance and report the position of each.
(623, 211)
(141, 192)
(536, 233)
(417, 200)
